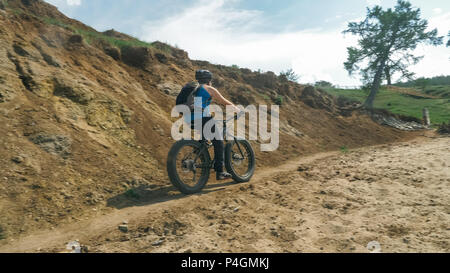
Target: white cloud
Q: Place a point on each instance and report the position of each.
(436, 61)
(441, 22)
(373, 2)
(211, 31)
(65, 2)
(437, 10)
(73, 2)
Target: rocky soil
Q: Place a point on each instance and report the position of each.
(395, 194)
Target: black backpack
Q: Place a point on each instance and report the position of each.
(187, 95)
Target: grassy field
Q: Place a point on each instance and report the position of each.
(405, 104)
(442, 91)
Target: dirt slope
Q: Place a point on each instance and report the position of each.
(330, 202)
(85, 122)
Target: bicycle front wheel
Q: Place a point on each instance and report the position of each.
(240, 160)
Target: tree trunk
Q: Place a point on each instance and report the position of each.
(388, 76)
(375, 86)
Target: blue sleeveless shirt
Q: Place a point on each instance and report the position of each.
(204, 104)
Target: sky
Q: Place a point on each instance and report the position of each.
(271, 35)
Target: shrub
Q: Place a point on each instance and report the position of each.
(113, 52)
(132, 194)
(279, 100)
(76, 39)
(323, 84)
(289, 75)
(343, 101)
(135, 56)
(422, 83)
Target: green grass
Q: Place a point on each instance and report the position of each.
(132, 194)
(442, 91)
(344, 150)
(13, 10)
(279, 100)
(55, 22)
(91, 36)
(401, 104)
(265, 97)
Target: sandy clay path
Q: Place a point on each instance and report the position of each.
(395, 194)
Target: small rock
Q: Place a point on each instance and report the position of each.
(303, 169)
(84, 249)
(74, 246)
(274, 233)
(123, 228)
(170, 88)
(17, 159)
(158, 243)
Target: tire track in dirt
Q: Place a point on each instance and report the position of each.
(396, 194)
(82, 229)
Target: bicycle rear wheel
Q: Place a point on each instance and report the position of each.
(240, 160)
(188, 166)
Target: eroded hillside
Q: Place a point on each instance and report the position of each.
(85, 117)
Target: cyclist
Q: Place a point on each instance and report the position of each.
(209, 94)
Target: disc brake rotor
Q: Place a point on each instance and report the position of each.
(237, 159)
(188, 166)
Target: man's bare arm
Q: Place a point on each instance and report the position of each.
(218, 98)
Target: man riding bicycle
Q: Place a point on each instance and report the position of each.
(208, 94)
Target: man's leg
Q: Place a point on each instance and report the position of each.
(219, 154)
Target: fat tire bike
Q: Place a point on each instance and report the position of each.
(189, 162)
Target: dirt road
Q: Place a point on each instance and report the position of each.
(395, 194)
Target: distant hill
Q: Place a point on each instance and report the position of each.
(406, 101)
(439, 80)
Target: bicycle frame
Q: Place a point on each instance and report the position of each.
(206, 146)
